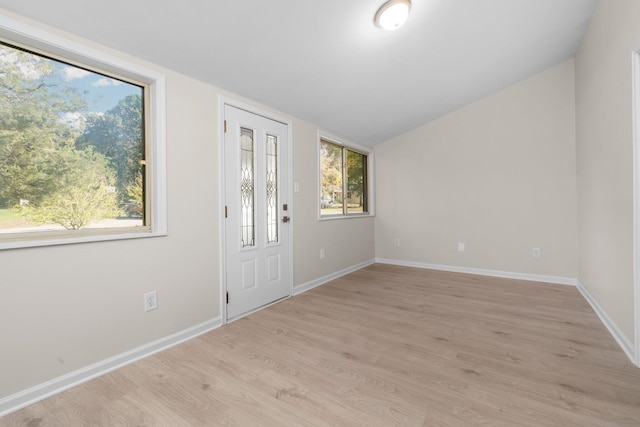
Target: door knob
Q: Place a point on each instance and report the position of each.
(285, 219)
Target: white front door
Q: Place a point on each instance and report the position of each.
(257, 204)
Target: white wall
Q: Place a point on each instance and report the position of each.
(66, 307)
(605, 159)
(497, 174)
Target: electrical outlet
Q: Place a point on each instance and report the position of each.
(321, 253)
(460, 247)
(396, 242)
(150, 301)
(535, 252)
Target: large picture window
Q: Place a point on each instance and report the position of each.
(343, 180)
(80, 157)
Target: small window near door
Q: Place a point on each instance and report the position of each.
(344, 187)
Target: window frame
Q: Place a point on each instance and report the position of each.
(369, 184)
(52, 45)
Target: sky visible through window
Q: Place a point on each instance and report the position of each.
(101, 93)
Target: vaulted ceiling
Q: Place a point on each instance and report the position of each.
(325, 61)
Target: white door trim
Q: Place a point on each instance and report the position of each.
(635, 88)
(222, 101)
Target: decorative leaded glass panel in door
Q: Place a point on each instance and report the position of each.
(247, 187)
(272, 188)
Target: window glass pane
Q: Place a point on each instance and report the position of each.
(272, 189)
(356, 182)
(331, 179)
(247, 188)
(71, 147)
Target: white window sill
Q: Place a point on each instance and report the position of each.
(352, 216)
(38, 241)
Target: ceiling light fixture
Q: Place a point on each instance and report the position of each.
(393, 14)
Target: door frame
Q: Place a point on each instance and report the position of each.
(635, 98)
(222, 102)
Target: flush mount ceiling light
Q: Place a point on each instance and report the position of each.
(393, 14)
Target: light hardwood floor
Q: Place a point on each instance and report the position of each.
(383, 346)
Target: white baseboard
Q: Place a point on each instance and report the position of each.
(322, 280)
(483, 272)
(620, 338)
(42, 391)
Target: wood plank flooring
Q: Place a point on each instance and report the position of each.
(383, 346)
